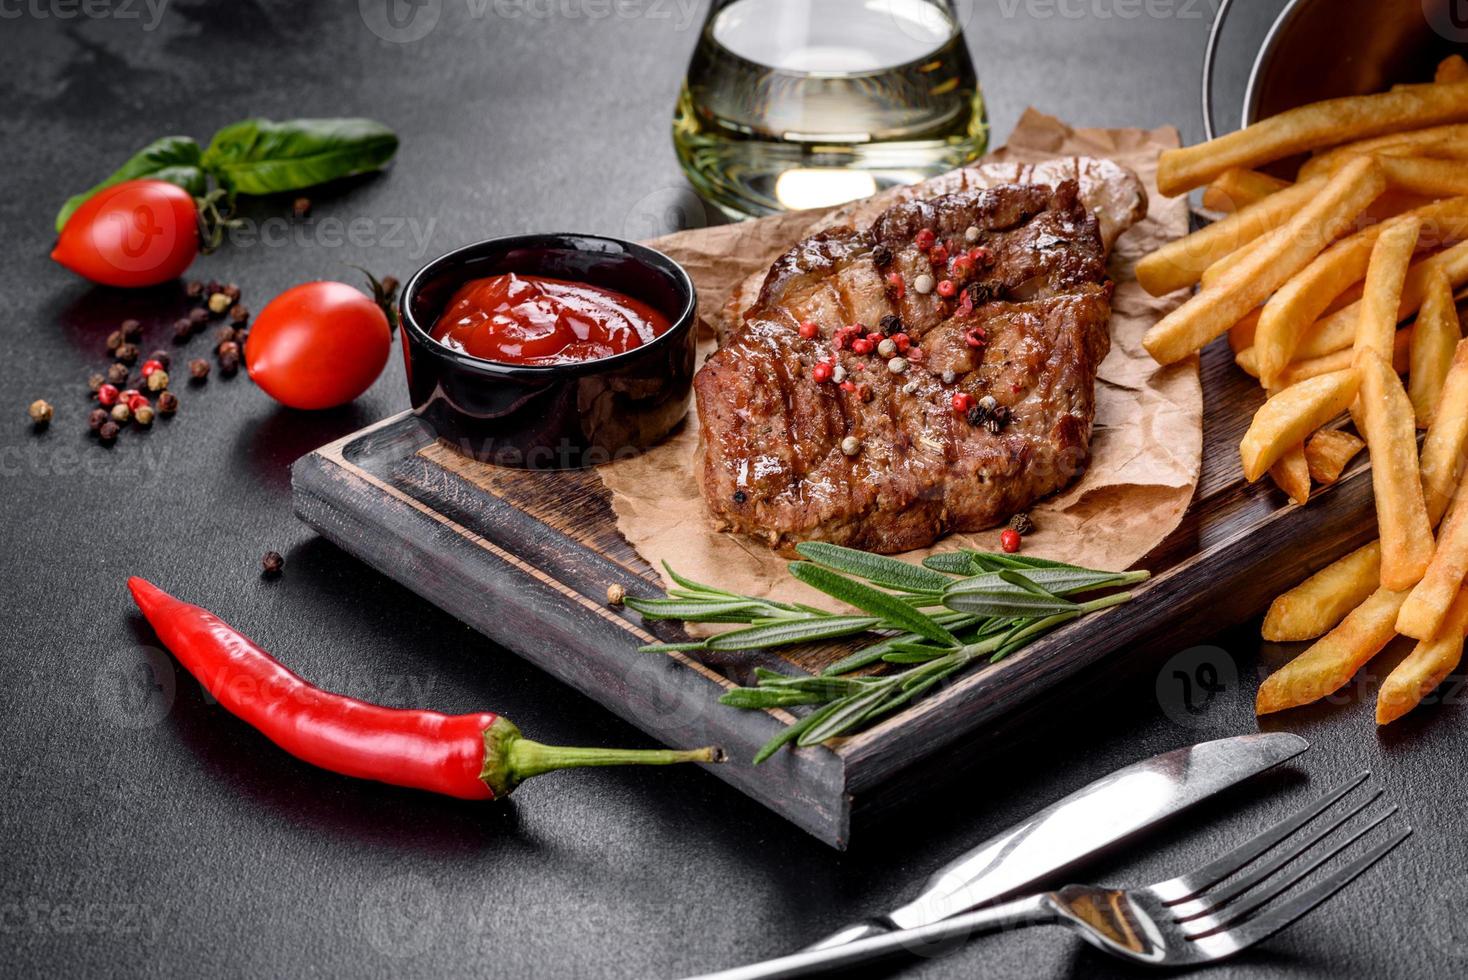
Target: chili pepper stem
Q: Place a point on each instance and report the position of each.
(510, 758)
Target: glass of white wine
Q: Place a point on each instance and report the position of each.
(792, 104)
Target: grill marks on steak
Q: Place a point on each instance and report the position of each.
(773, 466)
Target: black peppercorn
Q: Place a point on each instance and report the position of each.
(95, 381)
(199, 369)
(1021, 523)
(223, 335)
(183, 329)
(127, 353)
(162, 357)
(228, 348)
(97, 419)
(114, 340)
(198, 316)
(194, 289)
(232, 291)
(117, 375)
(41, 413)
(881, 256)
(168, 403)
(891, 323)
(131, 330)
(739, 497)
(107, 432)
(273, 563)
(229, 364)
(239, 313)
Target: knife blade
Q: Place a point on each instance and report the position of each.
(1095, 817)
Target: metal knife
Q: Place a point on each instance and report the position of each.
(1106, 812)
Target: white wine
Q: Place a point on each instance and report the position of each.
(794, 104)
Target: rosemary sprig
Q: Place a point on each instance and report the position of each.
(985, 607)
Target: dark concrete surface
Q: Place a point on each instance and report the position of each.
(145, 832)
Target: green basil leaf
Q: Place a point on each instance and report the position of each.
(887, 572)
(897, 613)
(258, 156)
(172, 158)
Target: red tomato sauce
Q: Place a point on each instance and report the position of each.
(536, 320)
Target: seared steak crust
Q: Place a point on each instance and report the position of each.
(1026, 328)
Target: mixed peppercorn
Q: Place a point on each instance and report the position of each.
(123, 396)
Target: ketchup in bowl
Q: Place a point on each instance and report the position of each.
(536, 320)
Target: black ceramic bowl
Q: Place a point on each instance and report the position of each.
(560, 416)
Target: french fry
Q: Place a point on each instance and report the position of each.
(1218, 307)
(1443, 447)
(1453, 68)
(1434, 337)
(1427, 666)
(1180, 263)
(1292, 475)
(1422, 614)
(1330, 663)
(1299, 302)
(1236, 189)
(1420, 175)
(1391, 434)
(1308, 127)
(1337, 331)
(1285, 420)
(1390, 258)
(1328, 451)
(1340, 360)
(1221, 268)
(1248, 361)
(1241, 334)
(1321, 601)
(1326, 163)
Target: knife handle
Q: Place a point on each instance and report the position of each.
(850, 934)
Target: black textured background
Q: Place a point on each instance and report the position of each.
(142, 830)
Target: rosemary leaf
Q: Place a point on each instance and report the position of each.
(792, 732)
(847, 714)
(887, 572)
(866, 656)
(1007, 602)
(791, 631)
(690, 610)
(893, 610)
(769, 697)
(951, 563)
(672, 647)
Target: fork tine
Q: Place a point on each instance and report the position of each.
(1262, 927)
(1188, 886)
(1242, 909)
(1214, 899)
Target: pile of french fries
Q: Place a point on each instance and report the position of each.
(1315, 281)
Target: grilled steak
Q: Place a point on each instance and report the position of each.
(820, 436)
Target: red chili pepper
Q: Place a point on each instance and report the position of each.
(477, 756)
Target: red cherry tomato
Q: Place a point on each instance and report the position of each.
(318, 345)
(136, 233)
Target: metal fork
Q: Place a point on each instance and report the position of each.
(1194, 918)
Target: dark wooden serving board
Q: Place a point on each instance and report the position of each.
(526, 558)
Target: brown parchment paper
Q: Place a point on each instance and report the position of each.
(1145, 452)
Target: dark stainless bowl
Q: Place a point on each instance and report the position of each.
(1323, 49)
(560, 416)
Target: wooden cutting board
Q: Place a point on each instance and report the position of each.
(526, 558)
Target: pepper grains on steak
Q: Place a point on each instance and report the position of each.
(934, 373)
